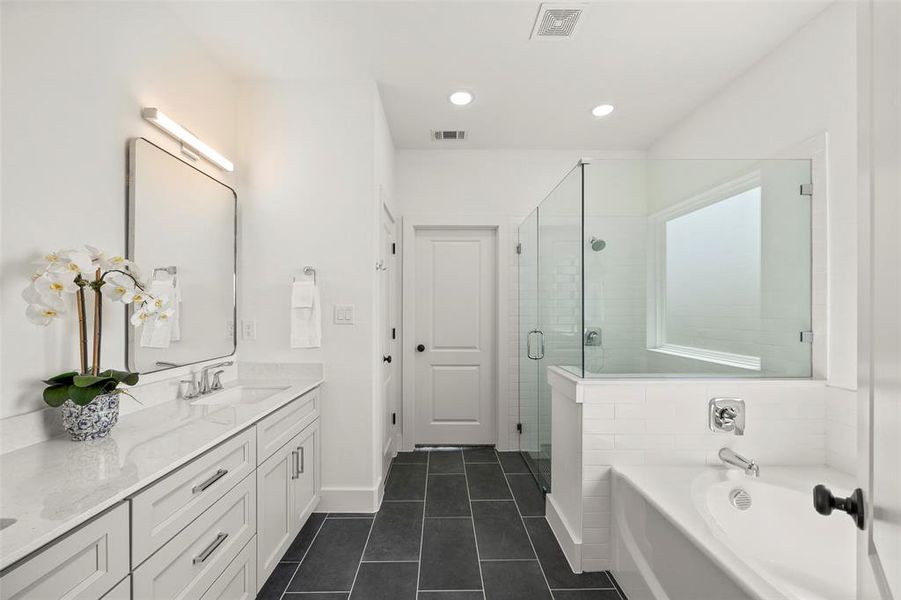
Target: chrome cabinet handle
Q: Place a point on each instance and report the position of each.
(210, 549)
(302, 461)
(295, 470)
(200, 487)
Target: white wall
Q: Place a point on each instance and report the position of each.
(74, 79)
(315, 155)
(805, 87)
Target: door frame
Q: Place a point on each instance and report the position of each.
(503, 284)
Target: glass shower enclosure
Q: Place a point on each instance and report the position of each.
(642, 268)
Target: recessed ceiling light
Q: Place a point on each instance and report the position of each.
(602, 110)
(460, 98)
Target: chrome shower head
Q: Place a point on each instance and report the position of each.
(597, 244)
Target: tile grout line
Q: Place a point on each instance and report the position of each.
(362, 554)
(425, 496)
(472, 516)
(300, 562)
(529, 537)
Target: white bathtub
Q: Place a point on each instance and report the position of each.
(677, 535)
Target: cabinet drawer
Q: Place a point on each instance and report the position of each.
(83, 565)
(188, 564)
(239, 580)
(169, 505)
(277, 429)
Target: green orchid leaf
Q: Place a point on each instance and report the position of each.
(82, 396)
(125, 377)
(90, 380)
(65, 378)
(55, 395)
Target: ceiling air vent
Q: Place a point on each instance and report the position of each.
(448, 134)
(556, 21)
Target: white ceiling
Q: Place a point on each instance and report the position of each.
(656, 61)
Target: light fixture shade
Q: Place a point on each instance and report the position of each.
(602, 110)
(161, 120)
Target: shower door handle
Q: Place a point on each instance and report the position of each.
(540, 353)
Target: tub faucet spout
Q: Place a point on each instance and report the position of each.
(735, 459)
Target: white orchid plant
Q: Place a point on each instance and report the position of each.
(65, 274)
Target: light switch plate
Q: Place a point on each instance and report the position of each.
(248, 329)
(344, 314)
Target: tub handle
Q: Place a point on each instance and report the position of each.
(825, 502)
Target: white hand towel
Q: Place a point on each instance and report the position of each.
(302, 294)
(157, 332)
(306, 322)
(168, 287)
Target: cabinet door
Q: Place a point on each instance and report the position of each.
(306, 482)
(239, 580)
(275, 502)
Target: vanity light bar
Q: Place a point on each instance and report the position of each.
(158, 118)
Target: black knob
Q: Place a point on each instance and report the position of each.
(825, 502)
(387, 359)
(420, 348)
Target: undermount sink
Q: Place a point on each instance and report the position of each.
(4, 523)
(240, 395)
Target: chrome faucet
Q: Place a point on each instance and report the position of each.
(205, 387)
(727, 415)
(735, 459)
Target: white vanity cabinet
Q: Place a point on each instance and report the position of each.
(287, 491)
(212, 528)
(82, 565)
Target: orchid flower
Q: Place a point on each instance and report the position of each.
(55, 284)
(119, 288)
(45, 311)
(52, 261)
(79, 263)
(140, 316)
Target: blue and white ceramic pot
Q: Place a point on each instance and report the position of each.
(92, 421)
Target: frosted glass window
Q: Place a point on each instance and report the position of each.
(712, 283)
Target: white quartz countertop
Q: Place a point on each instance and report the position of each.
(55, 486)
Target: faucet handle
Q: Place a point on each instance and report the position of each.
(217, 384)
(191, 391)
(727, 415)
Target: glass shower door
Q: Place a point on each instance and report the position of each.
(529, 342)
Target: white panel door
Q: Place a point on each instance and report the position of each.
(455, 331)
(388, 316)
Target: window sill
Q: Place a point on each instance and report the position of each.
(740, 361)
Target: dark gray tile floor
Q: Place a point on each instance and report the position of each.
(454, 525)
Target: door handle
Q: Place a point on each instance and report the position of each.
(213, 479)
(302, 461)
(420, 348)
(295, 468)
(540, 353)
(210, 549)
(387, 359)
(824, 502)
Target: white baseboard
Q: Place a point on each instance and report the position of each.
(340, 500)
(570, 543)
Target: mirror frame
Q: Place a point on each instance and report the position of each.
(131, 337)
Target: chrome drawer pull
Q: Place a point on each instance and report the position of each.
(211, 548)
(295, 470)
(215, 477)
(300, 449)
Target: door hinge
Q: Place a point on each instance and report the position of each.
(807, 189)
(519, 427)
(394, 418)
(519, 248)
(393, 333)
(806, 337)
(393, 248)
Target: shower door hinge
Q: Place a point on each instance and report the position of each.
(806, 337)
(807, 189)
(519, 248)
(519, 428)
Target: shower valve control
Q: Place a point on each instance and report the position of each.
(592, 336)
(727, 415)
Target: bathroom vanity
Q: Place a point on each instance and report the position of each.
(184, 499)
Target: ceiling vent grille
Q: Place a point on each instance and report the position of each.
(448, 134)
(556, 21)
